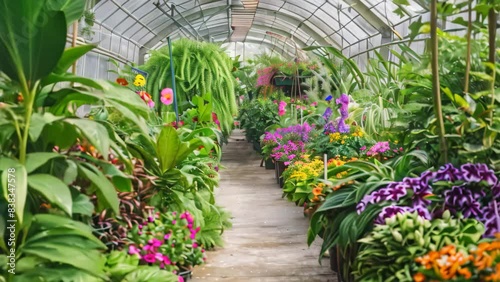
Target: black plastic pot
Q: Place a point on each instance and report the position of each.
(256, 146)
(281, 167)
(269, 164)
(186, 274)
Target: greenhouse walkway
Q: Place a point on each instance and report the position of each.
(268, 238)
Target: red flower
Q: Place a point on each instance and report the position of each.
(122, 81)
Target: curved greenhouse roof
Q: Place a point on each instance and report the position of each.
(128, 29)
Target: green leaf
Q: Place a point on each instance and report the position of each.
(69, 77)
(70, 56)
(53, 189)
(106, 193)
(14, 182)
(150, 274)
(73, 9)
(32, 39)
(36, 160)
(82, 205)
(170, 148)
(38, 123)
(95, 132)
(89, 260)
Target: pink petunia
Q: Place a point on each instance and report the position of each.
(167, 96)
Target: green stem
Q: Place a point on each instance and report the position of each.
(467, 59)
(436, 90)
(492, 29)
(29, 97)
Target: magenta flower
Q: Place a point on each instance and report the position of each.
(149, 258)
(181, 279)
(155, 242)
(132, 250)
(195, 245)
(167, 236)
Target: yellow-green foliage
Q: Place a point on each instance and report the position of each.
(200, 68)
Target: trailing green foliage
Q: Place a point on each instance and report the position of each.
(200, 68)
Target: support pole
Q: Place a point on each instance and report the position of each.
(172, 73)
(73, 43)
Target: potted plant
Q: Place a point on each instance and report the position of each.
(169, 241)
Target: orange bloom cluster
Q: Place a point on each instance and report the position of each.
(487, 256)
(317, 191)
(447, 262)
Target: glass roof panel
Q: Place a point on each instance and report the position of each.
(320, 22)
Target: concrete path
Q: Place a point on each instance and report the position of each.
(268, 240)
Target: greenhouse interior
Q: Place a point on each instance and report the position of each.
(249, 140)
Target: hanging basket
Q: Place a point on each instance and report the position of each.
(283, 80)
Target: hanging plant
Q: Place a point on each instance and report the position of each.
(200, 68)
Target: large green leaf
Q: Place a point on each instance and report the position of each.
(53, 189)
(106, 193)
(73, 9)
(38, 123)
(95, 132)
(168, 146)
(32, 39)
(150, 274)
(15, 190)
(82, 205)
(89, 260)
(36, 160)
(70, 56)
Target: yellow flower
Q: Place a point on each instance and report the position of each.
(139, 80)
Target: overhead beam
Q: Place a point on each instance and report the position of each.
(261, 11)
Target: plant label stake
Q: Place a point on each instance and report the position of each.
(172, 72)
(325, 166)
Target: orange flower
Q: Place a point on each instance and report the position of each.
(317, 191)
(20, 98)
(495, 276)
(419, 277)
(315, 199)
(122, 81)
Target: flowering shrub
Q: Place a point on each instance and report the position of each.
(390, 251)
(384, 149)
(472, 190)
(480, 263)
(286, 144)
(282, 108)
(338, 144)
(302, 180)
(265, 76)
(167, 240)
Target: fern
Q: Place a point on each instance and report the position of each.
(200, 68)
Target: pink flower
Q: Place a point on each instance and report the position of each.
(174, 222)
(363, 148)
(159, 257)
(149, 258)
(167, 236)
(151, 104)
(167, 96)
(155, 242)
(166, 260)
(314, 104)
(132, 250)
(195, 245)
(181, 279)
